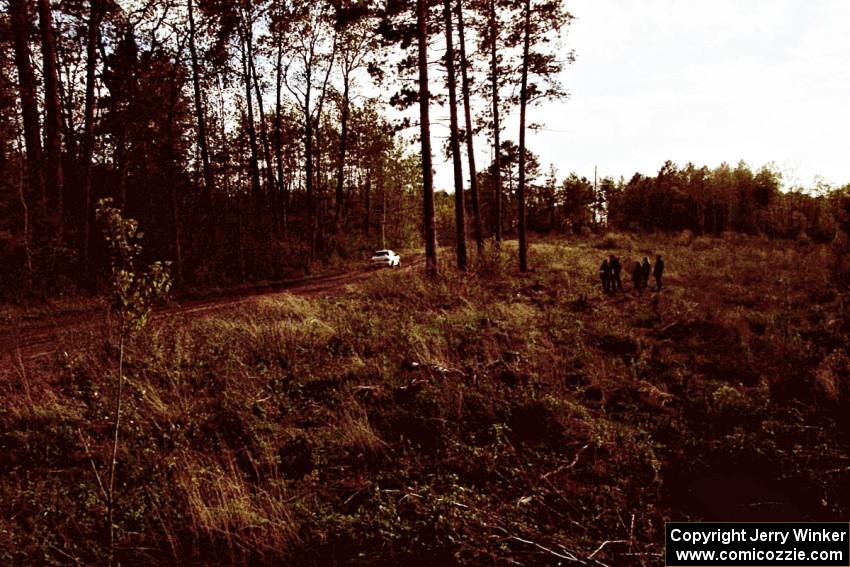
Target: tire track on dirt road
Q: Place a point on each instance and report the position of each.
(18, 346)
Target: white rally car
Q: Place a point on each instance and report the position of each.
(384, 258)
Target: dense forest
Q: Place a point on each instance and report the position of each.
(248, 139)
(253, 140)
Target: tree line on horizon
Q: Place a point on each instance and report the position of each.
(700, 199)
(254, 139)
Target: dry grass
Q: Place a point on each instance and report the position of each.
(354, 433)
(406, 418)
(253, 520)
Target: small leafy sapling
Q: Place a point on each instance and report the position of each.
(133, 293)
(133, 290)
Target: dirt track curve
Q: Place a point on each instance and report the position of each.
(42, 339)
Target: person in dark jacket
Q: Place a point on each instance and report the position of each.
(616, 268)
(605, 276)
(647, 270)
(637, 278)
(658, 271)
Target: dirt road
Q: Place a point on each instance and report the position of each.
(44, 338)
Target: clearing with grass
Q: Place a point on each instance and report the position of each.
(481, 418)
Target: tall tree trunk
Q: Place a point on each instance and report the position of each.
(52, 116)
(428, 212)
(383, 189)
(367, 220)
(523, 101)
(119, 152)
(25, 229)
(68, 105)
(318, 224)
(510, 167)
(319, 189)
(596, 202)
(29, 103)
(308, 140)
(552, 206)
(278, 125)
(172, 177)
(200, 117)
(470, 149)
(264, 138)
(95, 13)
(256, 191)
(343, 140)
(353, 181)
(460, 225)
(497, 156)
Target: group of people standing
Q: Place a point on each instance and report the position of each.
(610, 270)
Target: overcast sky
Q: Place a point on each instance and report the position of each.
(701, 81)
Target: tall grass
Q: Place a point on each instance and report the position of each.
(450, 420)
